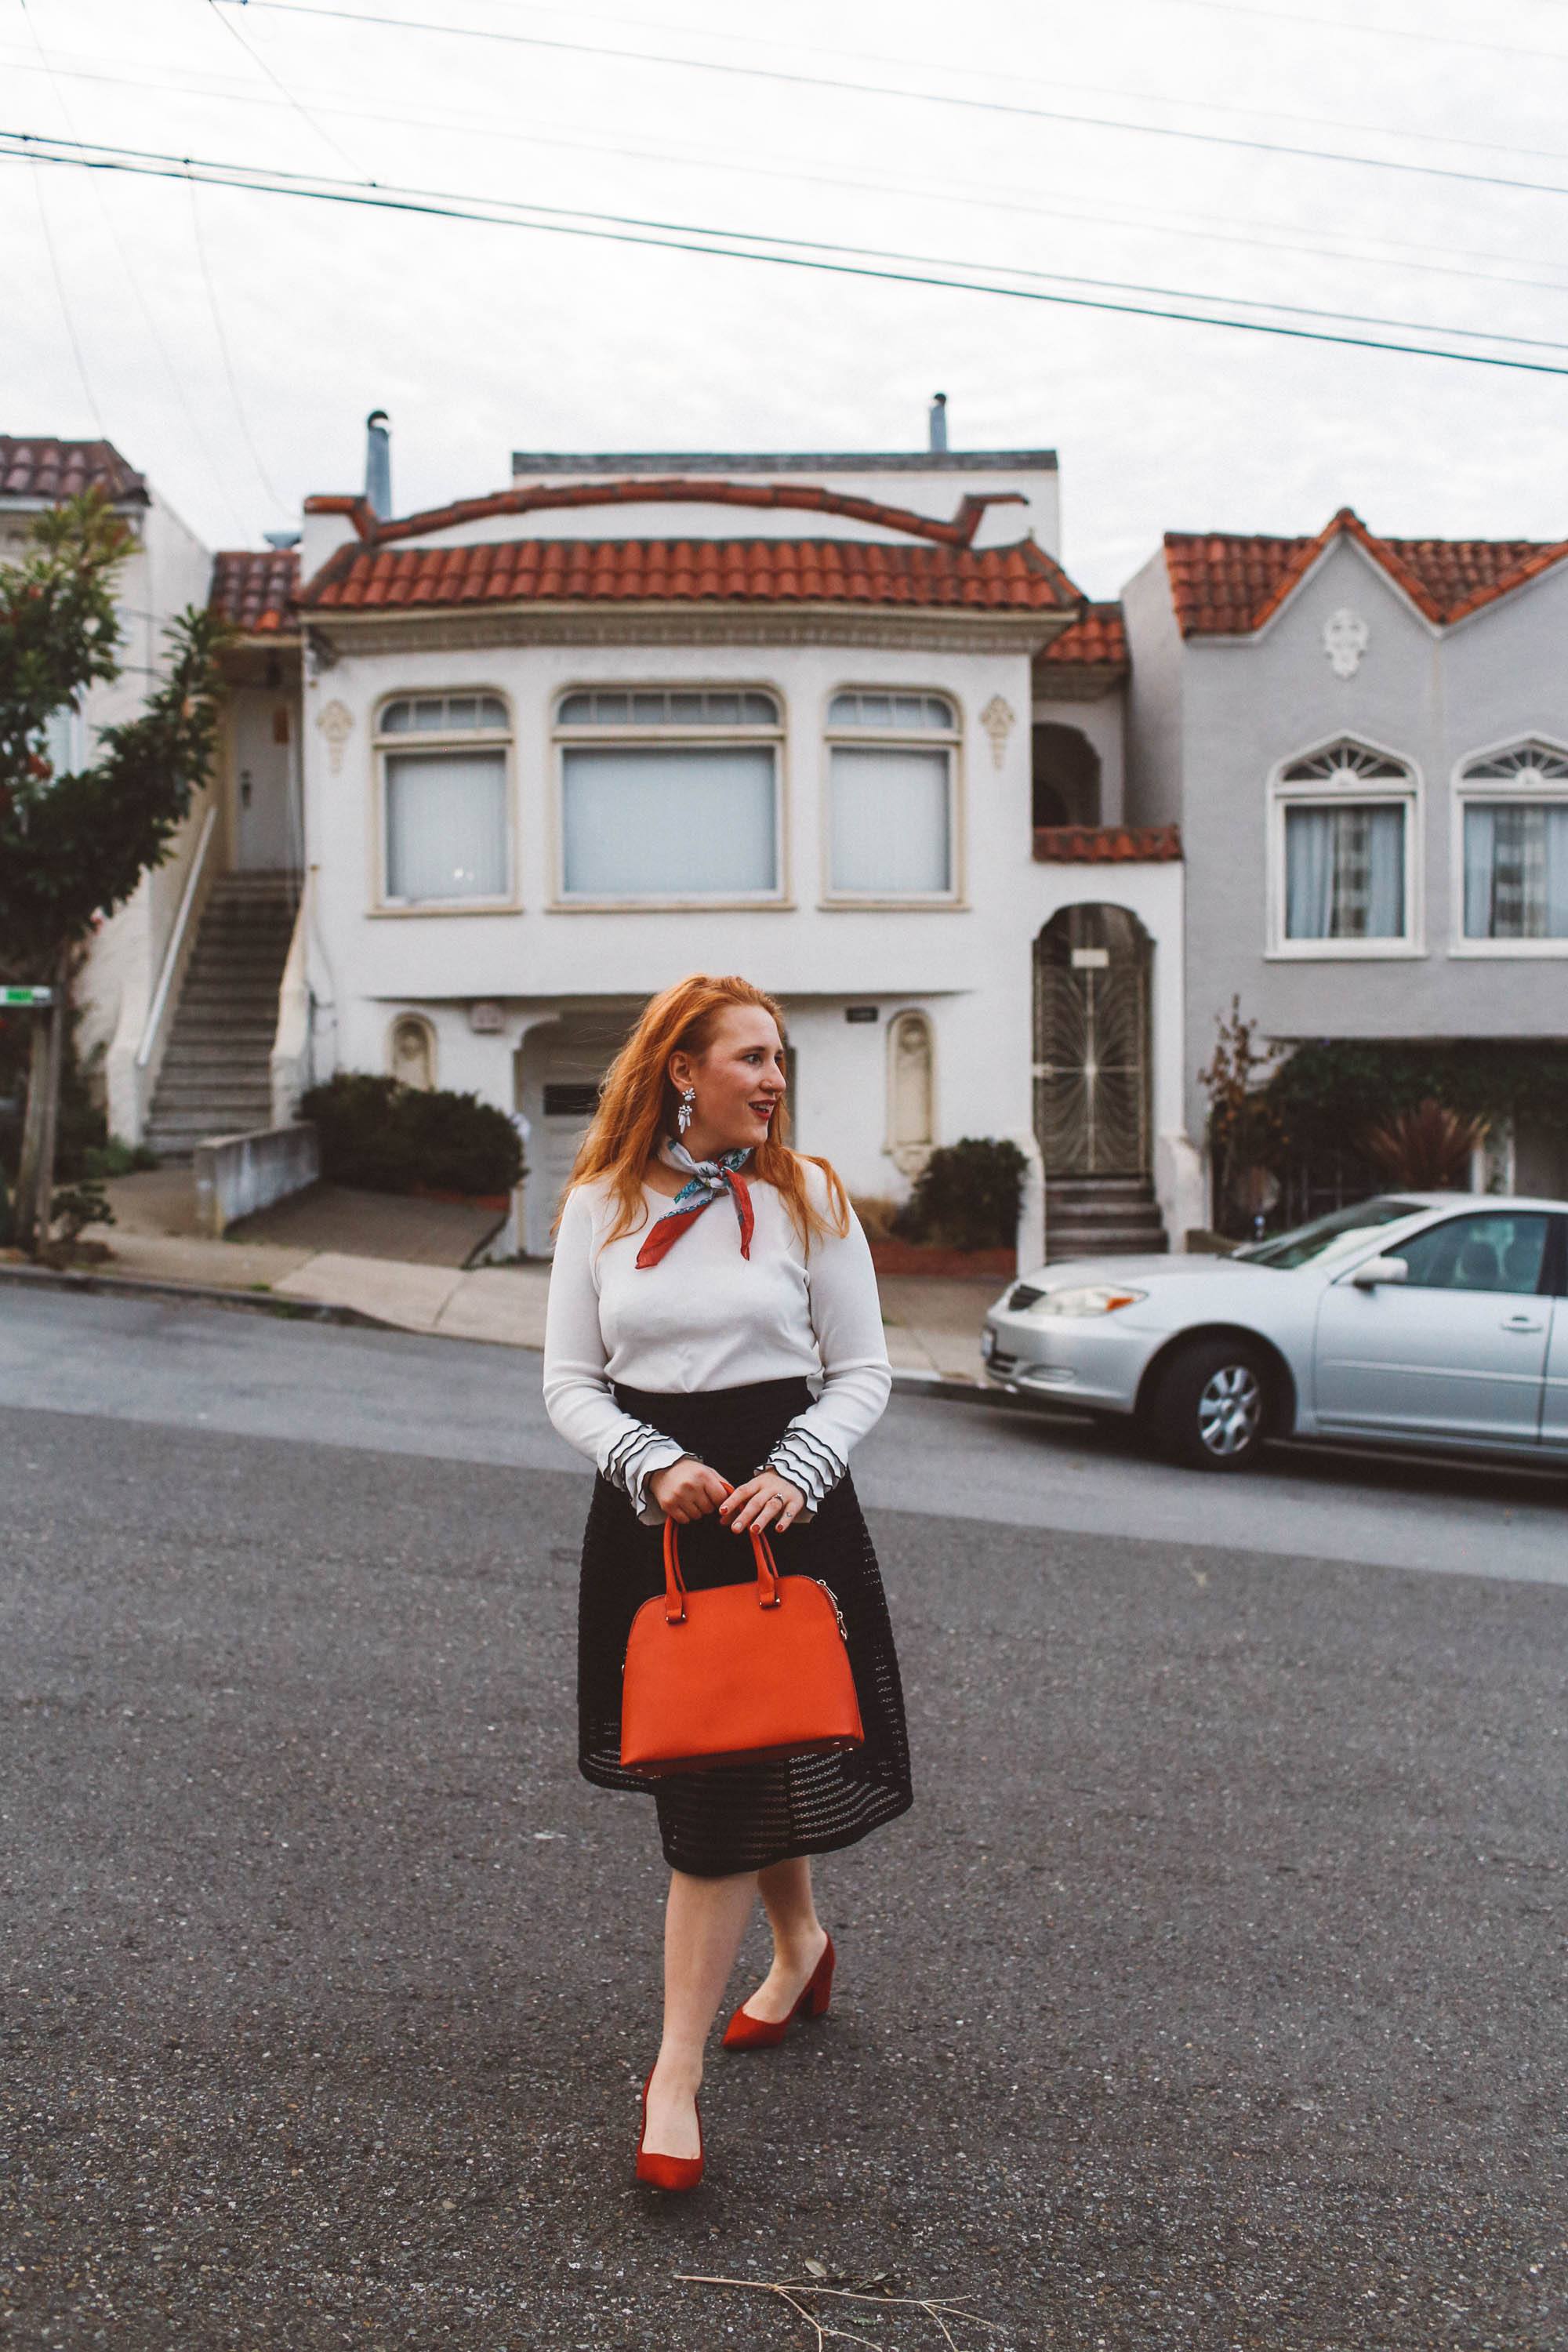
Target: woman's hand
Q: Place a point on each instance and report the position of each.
(688, 1490)
(764, 1502)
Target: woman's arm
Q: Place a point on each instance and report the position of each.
(576, 1388)
(846, 1317)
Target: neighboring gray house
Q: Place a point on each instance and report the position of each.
(1364, 741)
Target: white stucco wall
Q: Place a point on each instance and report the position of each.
(167, 570)
(968, 966)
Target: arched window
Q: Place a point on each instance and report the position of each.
(446, 805)
(1344, 851)
(669, 795)
(1513, 821)
(891, 816)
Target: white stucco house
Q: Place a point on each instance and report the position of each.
(840, 722)
(1364, 741)
(119, 1034)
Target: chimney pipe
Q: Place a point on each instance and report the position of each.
(378, 463)
(938, 421)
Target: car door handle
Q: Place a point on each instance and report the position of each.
(1520, 1323)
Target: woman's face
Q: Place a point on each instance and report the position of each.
(738, 1084)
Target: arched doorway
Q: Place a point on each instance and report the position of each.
(1091, 1043)
(1065, 776)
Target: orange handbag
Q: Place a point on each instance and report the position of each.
(735, 1674)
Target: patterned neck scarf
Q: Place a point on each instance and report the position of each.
(709, 1181)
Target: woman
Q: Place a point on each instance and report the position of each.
(714, 1345)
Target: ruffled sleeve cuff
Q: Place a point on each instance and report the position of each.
(801, 1458)
(631, 1462)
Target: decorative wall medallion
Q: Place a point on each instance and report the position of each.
(337, 725)
(998, 722)
(1345, 638)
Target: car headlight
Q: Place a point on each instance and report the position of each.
(1092, 1298)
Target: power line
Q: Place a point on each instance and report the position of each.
(55, 272)
(614, 229)
(985, 199)
(670, 228)
(134, 282)
(288, 98)
(1375, 32)
(262, 475)
(919, 97)
(1055, 84)
(1042, 276)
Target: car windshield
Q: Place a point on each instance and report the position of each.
(1326, 1239)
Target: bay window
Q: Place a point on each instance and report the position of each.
(1344, 854)
(1513, 811)
(890, 799)
(669, 795)
(446, 815)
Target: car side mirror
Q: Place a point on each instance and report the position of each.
(1380, 1269)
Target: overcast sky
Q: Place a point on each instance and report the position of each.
(479, 339)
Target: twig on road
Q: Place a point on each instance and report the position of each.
(938, 2309)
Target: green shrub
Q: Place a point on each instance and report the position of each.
(114, 1158)
(389, 1138)
(967, 1195)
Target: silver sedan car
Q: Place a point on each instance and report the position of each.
(1421, 1318)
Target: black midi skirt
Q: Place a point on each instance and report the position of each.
(741, 1817)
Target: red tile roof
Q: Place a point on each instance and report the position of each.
(255, 589)
(1223, 583)
(1096, 641)
(44, 468)
(1018, 579)
(1107, 845)
(673, 489)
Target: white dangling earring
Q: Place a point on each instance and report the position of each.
(684, 1114)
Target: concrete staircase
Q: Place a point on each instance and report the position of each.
(216, 1076)
(1102, 1216)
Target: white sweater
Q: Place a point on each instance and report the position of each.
(706, 1317)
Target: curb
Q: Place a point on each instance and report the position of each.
(934, 1387)
(200, 1294)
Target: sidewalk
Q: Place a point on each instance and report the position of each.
(401, 1262)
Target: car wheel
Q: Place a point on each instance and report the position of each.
(1211, 1407)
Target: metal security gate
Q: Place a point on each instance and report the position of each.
(1091, 1043)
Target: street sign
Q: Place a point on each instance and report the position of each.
(38, 998)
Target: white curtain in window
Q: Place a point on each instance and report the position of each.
(1344, 873)
(1309, 874)
(1515, 871)
(446, 825)
(890, 833)
(676, 822)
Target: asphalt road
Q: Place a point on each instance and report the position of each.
(1212, 1996)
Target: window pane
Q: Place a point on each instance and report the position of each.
(59, 745)
(890, 712)
(1481, 1253)
(1344, 873)
(889, 823)
(648, 823)
(1516, 870)
(435, 713)
(446, 825)
(603, 706)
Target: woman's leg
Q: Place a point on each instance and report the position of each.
(704, 1924)
(799, 1937)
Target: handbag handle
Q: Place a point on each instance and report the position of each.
(768, 1595)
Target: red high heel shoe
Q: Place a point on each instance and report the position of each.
(668, 2172)
(747, 2033)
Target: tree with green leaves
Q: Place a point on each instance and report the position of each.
(73, 846)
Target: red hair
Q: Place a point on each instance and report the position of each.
(637, 1105)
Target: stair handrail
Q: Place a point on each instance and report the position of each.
(171, 953)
